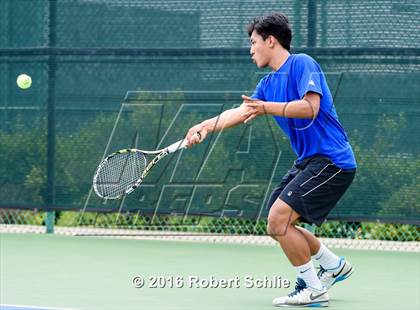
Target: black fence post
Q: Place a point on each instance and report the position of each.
(50, 192)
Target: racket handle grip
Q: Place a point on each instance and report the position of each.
(179, 145)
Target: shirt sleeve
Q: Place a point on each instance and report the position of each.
(259, 90)
(308, 76)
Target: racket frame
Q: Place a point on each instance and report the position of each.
(181, 144)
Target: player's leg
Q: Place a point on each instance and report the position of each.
(313, 242)
(280, 226)
(320, 186)
(312, 193)
(333, 268)
(309, 290)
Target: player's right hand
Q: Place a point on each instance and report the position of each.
(196, 135)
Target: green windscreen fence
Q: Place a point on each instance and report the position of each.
(113, 74)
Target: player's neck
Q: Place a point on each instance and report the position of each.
(279, 59)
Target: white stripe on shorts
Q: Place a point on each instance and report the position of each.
(322, 183)
(315, 176)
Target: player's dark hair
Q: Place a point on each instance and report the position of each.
(275, 24)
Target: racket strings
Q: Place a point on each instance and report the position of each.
(120, 173)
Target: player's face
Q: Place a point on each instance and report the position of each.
(260, 50)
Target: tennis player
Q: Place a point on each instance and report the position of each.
(297, 95)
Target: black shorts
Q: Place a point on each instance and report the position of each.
(312, 188)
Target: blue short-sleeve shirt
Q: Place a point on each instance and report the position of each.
(323, 135)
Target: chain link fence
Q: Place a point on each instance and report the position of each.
(205, 24)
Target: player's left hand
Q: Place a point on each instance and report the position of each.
(255, 107)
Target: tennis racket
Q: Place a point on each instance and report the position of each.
(123, 171)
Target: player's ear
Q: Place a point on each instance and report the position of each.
(271, 41)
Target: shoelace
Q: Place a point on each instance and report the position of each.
(321, 272)
(300, 286)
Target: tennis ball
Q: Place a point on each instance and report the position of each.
(24, 81)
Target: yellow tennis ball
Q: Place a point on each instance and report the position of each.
(24, 81)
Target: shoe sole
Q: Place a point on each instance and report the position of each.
(318, 304)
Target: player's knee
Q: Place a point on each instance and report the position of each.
(277, 224)
(280, 217)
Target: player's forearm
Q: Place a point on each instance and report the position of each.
(227, 119)
(293, 109)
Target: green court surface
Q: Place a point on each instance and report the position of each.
(97, 273)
